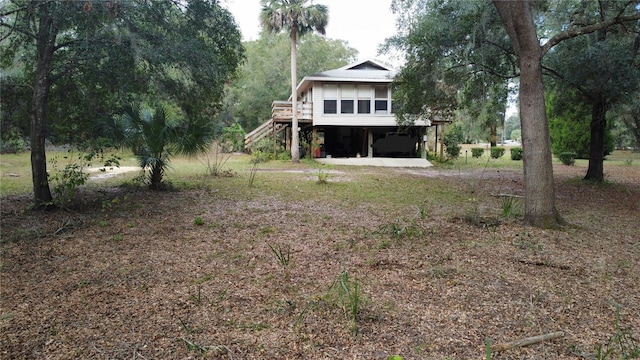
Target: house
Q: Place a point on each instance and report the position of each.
(346, 112)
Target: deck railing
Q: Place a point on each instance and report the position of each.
(281, 111)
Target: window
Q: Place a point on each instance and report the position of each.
(382, 100)
(364, 99)
(330, 99)
(330, 107)
(347, 93)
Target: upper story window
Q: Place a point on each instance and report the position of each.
(350, 99)
(364, 99)
(331, 99)
(347, 93)
(382, 99)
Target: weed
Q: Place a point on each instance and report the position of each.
(198, 221)
(621, 345)
(628, 162)
(422, 212)
(349, 297)
(267, 230)
(400, 230)
(487, 348)
(282, 253)
(323, 178)
(215, 160)
(197, 298)
(117, 237)
(509, 205)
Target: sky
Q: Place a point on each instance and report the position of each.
(363, 30)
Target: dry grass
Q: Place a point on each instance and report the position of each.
(127, 274)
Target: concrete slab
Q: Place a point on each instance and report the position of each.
(378, 161)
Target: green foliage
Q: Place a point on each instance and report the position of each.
(265, 75)
(67, 180)
(94, 56)
(282, 253)
(198, 221)
(446, 63)
(233, 137)
(347, 293)
(621, 345)
(516, 153)
(323, 177)
(497, 152)
(570, 124)
(476, 152)
(452, 140)
(510, 206)
(516, 135)
(154, 137)
(567, 157)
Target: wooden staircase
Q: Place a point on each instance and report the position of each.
(281, 115)
(262, 131)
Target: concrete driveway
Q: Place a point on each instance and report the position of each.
(378, 161)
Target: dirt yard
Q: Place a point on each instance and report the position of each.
(220, 272)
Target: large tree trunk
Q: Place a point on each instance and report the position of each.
(46, 38)
(295, 137)
(596, 146)
(540, 209)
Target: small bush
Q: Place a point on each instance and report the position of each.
(476, 152)
(567, 158)
(516, 153)
(497, 152)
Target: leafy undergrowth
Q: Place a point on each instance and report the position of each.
(428, 266)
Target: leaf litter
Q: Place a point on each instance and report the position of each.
(141, 281)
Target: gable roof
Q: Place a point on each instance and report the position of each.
(363, 71)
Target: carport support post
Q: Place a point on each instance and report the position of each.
(314, 143)
(424, 142)
(369, 143)
(275, 141)
(442, 143)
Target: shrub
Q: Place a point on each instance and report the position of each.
(567, 157)
(516, 153)
(497, 152)
(476, 152)
(452, 140)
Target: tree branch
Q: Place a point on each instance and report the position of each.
(569, 34)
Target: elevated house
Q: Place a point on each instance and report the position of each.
(345, 112)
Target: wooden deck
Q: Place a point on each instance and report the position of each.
(281, 112)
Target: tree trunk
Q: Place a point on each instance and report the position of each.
(595, 171)
(493, 138)
(540, 209)
(295, 137)
(46, 38)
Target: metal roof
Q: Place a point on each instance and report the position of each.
(363, 71)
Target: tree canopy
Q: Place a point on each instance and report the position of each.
(82, 61)
(264, 76)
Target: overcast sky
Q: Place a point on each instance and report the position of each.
(364, 24)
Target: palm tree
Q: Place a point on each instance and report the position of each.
(155, 136)
(298, 17)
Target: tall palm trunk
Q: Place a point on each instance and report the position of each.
(295, 137)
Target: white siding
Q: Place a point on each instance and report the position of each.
(360, 120)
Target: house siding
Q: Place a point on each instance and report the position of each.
(357, 120)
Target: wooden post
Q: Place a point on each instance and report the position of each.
(442, 143)
(314, 143)
(275, 141)
(369, 143)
